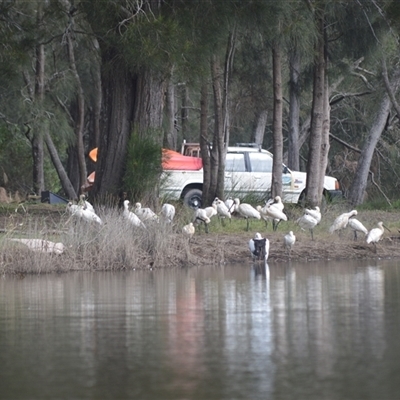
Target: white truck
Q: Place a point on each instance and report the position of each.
(248, 171)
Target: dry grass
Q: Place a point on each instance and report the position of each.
(118, 246)
(115, 245)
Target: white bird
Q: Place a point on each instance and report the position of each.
(131, 217)
(307, 222)
(84, 203)
(168, 212)
(44, 246)
(188, 230)
(259, 247)
(341, 221)
(277, 202)
(230, 204)
(315, 213)
(246, 210)
(144, 213)
(357, 226)
(211, 211)
(80, 212)
(288, 241)
(264, 216)
(201, 216)
(273, 210)
(222, 209)
(375, 234)
(73, 208)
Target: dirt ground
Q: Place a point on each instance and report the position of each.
(233, 248)
(217, 248)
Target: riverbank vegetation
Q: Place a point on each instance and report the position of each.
(117, 246)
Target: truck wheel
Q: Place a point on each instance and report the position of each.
(192, 198)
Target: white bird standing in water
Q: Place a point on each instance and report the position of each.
(145, 213)
(188, 230)
(41, 245)
(168, 212)
(131, 217)
(357, 226)
(341, 221)
(375, 234)
(307, 222)
(288, 242)
(259, 247)
(246, 210)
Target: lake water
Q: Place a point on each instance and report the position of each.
(295, 331)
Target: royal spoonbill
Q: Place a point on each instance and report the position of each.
(341, 221)
(259, 247)
(84, 203)
(273, 210)
(375, 234)
(131, 217)
(168, 212)
(357, 226)
(307, 222)
(315, 213)
(288, 242)
(201, 216)
(80, 212)
(144, 213)
(246, 210)
(222, 209)
(230, 204)
(188, 230)
(41, 245)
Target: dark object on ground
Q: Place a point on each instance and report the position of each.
(52, 198)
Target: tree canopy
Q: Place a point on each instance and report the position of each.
(134, 74)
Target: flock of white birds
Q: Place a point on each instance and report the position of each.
(258, 246)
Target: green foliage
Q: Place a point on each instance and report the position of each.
(15, 161)
(143, 168)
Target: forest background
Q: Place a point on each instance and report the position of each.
(314, 81)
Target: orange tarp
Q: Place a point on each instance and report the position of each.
(93, 154)
(174, 160)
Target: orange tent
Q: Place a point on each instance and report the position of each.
(172, 160)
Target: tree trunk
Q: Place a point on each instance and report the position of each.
(80, 118)
(94, 139)
(149, 103)
(260, 127)
(357, 189)
(359, 185)
(170, 133)
(118, 87)
(184, 91)
(314, 156)
(218, 129)
(205, 155)
(294, 111)
(37, 138)
(325, 144)
(65, 182)
(276, 186)
(223, 140)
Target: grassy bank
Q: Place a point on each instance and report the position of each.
(116, 245)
